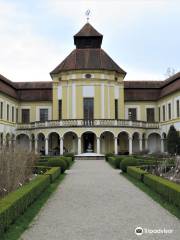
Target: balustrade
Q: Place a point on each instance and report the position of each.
(89, 123)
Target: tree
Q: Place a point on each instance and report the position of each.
(172, 141)
(170, 72)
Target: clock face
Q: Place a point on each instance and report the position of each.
(88, 75)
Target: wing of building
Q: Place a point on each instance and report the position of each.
(88, 106)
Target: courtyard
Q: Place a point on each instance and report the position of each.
(96, 202)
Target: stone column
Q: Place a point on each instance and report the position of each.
(46, 146)
(130, 145)
(115, 146)
(140, 144)
(36, 145)
(4, 142)
(30, 145)
(61, 145)
(98, 145)
(146, 143)
(162, 145)
(79, 145)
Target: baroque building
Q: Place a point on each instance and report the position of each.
(89, 106)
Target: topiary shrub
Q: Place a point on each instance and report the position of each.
(58, 163)
(107, 155)
(128, 162)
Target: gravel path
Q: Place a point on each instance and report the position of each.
(94, 202)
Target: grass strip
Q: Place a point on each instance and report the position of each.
(155, 196)
(22, 223)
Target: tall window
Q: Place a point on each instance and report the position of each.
(159, 111)
(116, 108)
(1, 111)
(43, 115)
(164, 113)
(150, 115)
(7, 112)
(60, 109)
(169, 111)
(25, 116)
(177, 108)
(132, 114)
(88, 108)
(12, 114)
(17, 115)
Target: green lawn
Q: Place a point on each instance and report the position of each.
(21, 224)
(155, 196)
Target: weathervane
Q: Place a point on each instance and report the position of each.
(87, 13)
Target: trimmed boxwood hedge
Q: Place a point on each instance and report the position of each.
(54, 173)
(169, 190)
(68, 161)
(132, 161)
(69, 155)
(136, 172)
(108, 155)
(16, 202)
(57, 161)
(115, 161)
(128, 162)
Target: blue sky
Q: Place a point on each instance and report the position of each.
(142, 36)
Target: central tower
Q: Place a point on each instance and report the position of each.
(88, 83)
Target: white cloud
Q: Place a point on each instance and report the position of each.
(26, 55)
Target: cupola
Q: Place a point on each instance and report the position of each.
(88, 37)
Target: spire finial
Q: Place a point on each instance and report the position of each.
(87, 13)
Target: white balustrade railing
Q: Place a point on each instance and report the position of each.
(89, 123)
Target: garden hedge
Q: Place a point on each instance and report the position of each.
(115, 161)
(57, 161)
(169, 190)
(128, 162)
(136, 172)
(17, 202)
(54, 173)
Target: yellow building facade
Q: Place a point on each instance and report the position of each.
(88, 106)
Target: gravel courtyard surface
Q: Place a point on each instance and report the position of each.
(94, 202)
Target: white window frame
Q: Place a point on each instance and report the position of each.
(138, 111)
(43, 107)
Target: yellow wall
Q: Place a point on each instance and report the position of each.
(33, 106)
(79, 102)
(97, 102)
(55, 100)
(12, 103)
